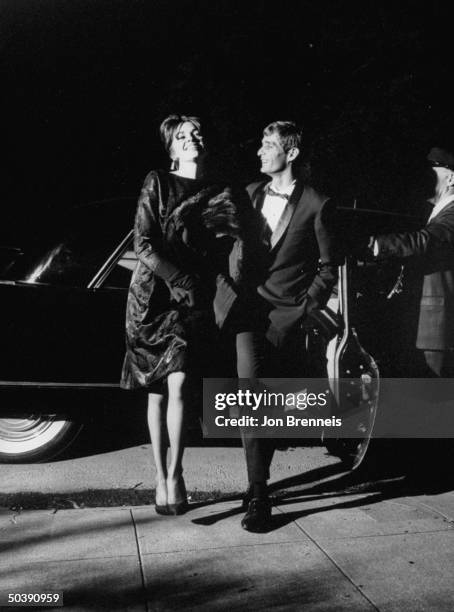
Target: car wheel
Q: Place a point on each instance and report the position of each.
(35, 438)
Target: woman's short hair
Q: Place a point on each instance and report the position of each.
(289, 133)
(171, 124)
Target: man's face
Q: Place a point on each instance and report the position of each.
(272, 155)
(443, 180)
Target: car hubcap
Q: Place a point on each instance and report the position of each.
(22, 435)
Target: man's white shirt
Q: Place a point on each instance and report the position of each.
(440, 205)
(273, 206)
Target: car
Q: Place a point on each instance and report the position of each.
(63, 322)
(63, 332)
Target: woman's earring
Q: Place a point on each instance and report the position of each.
(174, 165)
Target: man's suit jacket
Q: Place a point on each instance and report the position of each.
(302, 256)
(433, 248)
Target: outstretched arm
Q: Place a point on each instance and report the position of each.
(439, 233)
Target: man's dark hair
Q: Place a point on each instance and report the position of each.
(289, 133)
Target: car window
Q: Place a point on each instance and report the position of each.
(86, 239)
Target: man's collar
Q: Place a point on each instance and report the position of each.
(444, 201)
(287, 191)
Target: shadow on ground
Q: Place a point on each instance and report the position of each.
(401, 468)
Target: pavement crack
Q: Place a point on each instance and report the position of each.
(227, 546)
(392, 534)
(46, 562)
(139, 554)
(338, 567)
(435, 510)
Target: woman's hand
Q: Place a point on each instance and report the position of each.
(182, 296)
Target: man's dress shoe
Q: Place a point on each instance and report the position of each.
(258, 516)
(247, 497)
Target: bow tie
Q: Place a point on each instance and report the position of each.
(271, 192)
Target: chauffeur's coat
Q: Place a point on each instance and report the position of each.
(433, 246)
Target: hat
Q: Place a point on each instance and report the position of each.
(441, 158)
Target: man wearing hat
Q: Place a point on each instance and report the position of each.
(433, 249)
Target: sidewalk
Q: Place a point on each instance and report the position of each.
(325, 552)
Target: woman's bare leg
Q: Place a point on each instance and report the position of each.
(158, 444)
(175, 422)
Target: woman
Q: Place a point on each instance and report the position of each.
(189, 242)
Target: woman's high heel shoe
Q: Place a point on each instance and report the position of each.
(180, 505)
(161, 508)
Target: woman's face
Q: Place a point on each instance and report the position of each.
(187, 142)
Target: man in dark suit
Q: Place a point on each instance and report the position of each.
(301, 270)
(432, 248)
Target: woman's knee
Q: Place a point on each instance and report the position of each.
(155, 403)
(155, 400)
(175, 384)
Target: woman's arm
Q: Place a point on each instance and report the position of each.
(247, 260)
(148, 238)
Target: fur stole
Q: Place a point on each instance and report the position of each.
(214, 209)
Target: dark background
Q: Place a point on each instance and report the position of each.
(86, 83)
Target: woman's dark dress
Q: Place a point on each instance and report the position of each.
(177, 239)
